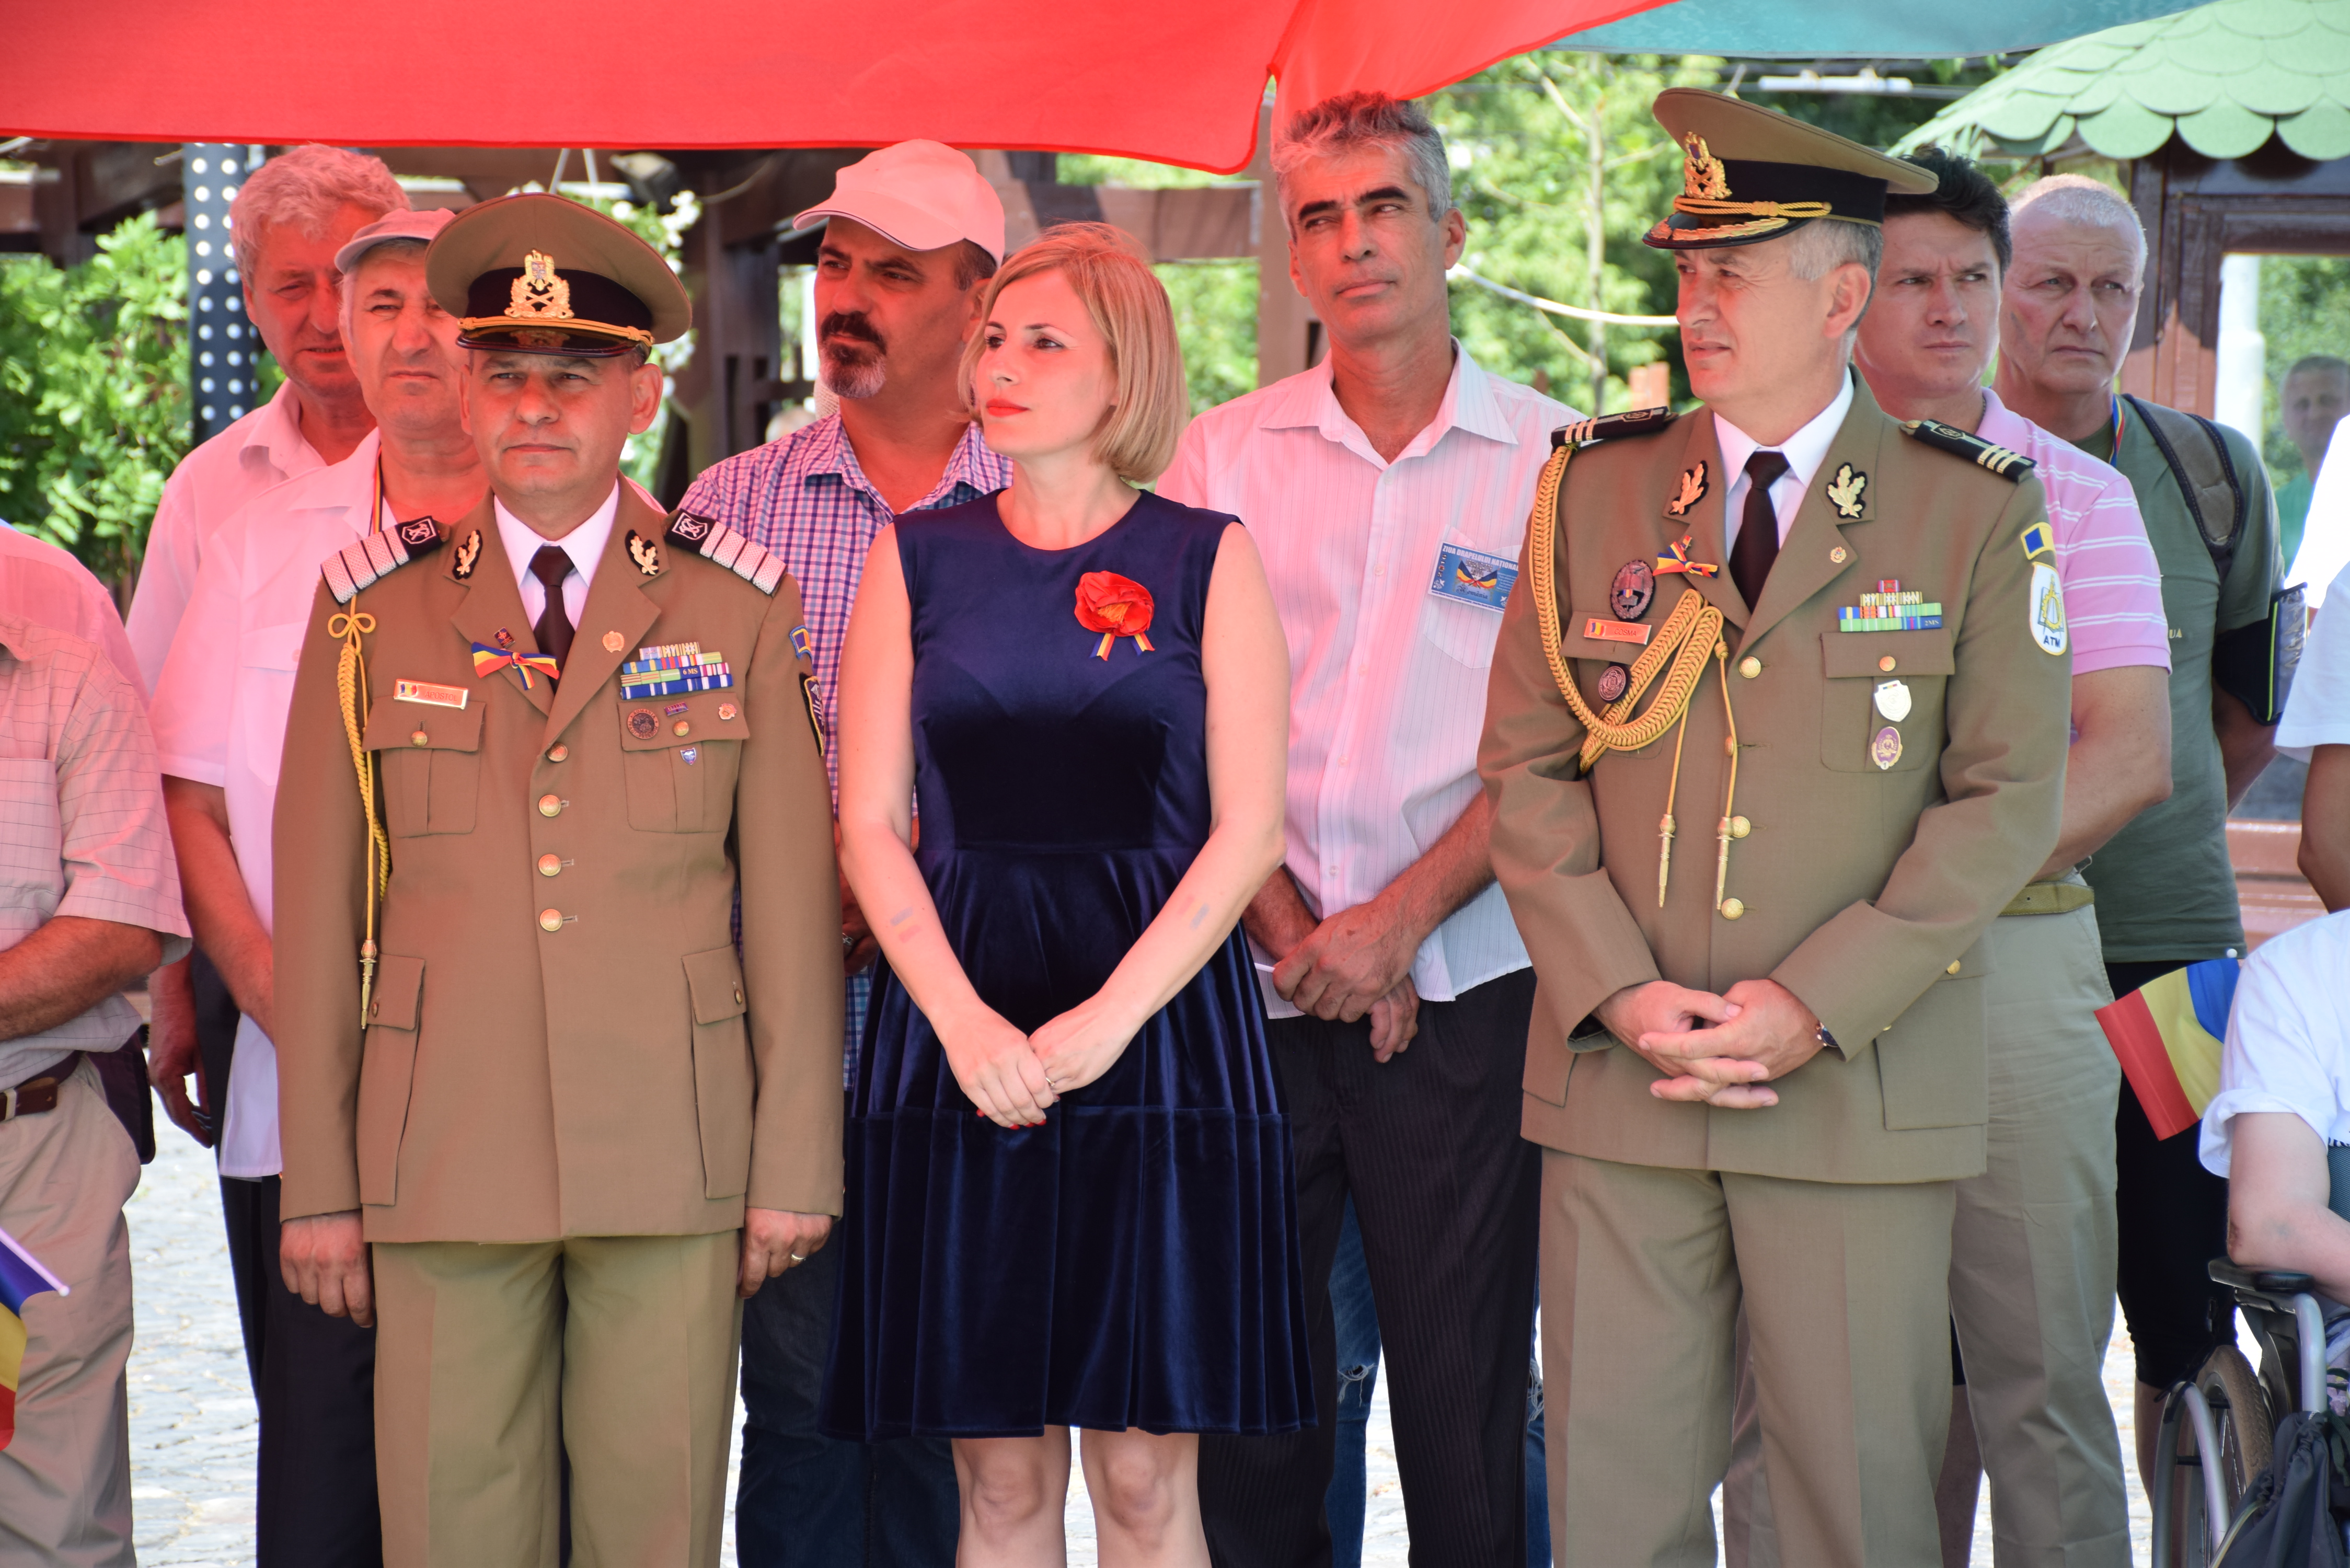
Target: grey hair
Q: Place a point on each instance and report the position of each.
(1821, 246)
(1353, 120)
(305, 188)
(2078, 199)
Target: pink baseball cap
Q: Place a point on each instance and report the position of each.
(923, 195)
(402, 225)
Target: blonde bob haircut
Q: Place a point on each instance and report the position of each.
(1150, 406)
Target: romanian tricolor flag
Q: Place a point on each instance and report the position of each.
(21, 1278)
(2168, 1033)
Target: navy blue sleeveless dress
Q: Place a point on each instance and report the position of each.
(1134, 1261)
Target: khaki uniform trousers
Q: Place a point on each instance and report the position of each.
(65, 1481)
(495, 1361)
(1644, 1271)
(2031, 1269)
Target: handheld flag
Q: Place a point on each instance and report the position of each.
(21, 1278)
(2168, 1033)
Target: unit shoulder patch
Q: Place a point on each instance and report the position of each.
(357, 566)
(713, 541)
(1607, 427)
(2012, 466)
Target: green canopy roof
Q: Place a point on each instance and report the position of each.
(2223, 76)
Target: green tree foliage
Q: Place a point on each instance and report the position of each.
(1560, 169)
(94, 392)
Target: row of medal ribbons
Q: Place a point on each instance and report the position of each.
(673, 668)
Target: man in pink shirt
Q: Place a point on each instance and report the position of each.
(2033, 1247)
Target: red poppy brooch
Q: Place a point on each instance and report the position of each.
(1114, 607)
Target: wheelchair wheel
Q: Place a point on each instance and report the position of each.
(2215, 1438)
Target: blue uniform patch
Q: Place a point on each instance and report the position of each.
(1474, 579)
(803, 645)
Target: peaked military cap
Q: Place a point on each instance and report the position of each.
(546, 275)
(1751, 174)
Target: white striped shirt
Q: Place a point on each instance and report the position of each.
(1386, 677)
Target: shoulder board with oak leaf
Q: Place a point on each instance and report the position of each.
(1632, 421)
(2011, 466)
(355, 567)
(713, 541)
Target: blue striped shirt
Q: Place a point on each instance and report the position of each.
(806, 498)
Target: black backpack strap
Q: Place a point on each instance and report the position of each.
(2205, 473)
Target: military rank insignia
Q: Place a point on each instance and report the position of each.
(2048, 627)
(1692, 491)
(1847, 490)
(462, 566)
(1891, 609)
(671, 669)
(644, 554)
(1473, 578)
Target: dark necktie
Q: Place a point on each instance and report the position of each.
(550, 566)
(1758, 527)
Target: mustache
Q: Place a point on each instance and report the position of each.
(849, 324)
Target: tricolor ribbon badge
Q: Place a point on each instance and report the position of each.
(1114, 607)
(21, 1277)
(1677, 560)
(488, 662)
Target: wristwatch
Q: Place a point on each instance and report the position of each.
(1828, 1041)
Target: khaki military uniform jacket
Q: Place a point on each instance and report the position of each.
(1862, 888)
(622, 1074)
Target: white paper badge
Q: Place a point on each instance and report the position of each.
(1893, 700)
(2047, 609)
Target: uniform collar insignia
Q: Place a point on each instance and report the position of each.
(1693, 490)
(462, 566)
(1848, 491)
(644, 554)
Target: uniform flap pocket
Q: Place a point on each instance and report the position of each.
(1858, 653)
(1597, 634)
(404, 726)
(652, 723)
(715, 978)
(398, 992)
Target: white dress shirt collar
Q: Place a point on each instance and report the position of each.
(584, 545)
(1469, 404)
(1805, 451)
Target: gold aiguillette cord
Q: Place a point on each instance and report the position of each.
(351, 685)
(1690, 635)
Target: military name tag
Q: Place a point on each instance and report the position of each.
(427, 692)
(1473, 579)
(1601, 631)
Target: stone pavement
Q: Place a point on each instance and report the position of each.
(192, 1419)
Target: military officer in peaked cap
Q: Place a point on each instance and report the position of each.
(1775, 728)
(533, 751)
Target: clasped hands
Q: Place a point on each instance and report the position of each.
(1721, 1050)
(1014, 1078)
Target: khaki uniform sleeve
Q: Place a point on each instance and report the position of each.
(2007, 714)
(320, 839)
(791, 932)
(1584, 944)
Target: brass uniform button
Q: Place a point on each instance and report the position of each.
(559, 753)
(1839, 554)
(550, 805)
(550, 864)
(550, 920)
(1750, 667)
(1886, 663)
(1731, 909)
(1740, 828)
(1956, 964)
(738, 996)
(419, 739)
(680, 728)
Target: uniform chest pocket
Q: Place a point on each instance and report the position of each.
(1881, 700)
(430, 761)
(1467, 588)
(681, 757)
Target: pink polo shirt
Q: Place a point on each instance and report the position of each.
(2113, 585)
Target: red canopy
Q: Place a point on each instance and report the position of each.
(1179, 83)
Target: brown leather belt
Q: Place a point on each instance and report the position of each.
(2050, 899)
(31, 1096)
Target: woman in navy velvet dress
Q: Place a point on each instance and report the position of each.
(1070, 1199)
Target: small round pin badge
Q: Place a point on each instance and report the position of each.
(614, 642)
(1886, 749)
(1635, 585)
(727, 711)
(642, 724)
(1613, 682)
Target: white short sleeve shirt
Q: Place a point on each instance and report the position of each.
(221, 703)
(2318, 712)
(2288, 1045)
(1386, 673)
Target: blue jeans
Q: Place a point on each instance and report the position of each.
(1359, 1375)
(807, 1501)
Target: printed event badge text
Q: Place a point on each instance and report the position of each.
(1480, 580)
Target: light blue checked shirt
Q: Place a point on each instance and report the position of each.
(806, 498)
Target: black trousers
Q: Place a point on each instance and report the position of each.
(1447, 1195)
(313, 1375)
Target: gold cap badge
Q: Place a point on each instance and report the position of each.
(540, 293)
(1702, 174)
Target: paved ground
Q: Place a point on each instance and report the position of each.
(192, 1421)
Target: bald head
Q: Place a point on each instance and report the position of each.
(2068, 303)
(2061, 202)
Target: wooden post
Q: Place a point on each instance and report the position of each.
(1287, 335)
